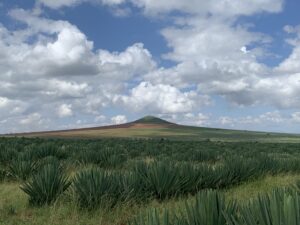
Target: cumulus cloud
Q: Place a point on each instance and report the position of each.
(46, 62)
(135, 60)
(296, 117)
(100, 118)
(198, 119)
(65, 110)
(9, 107)
(220, 7)
(291, 65)
(55, 4)
(272, 118)
(69, 53)
(162, 98)
(30, 119)
(119, 119)
(208, 54)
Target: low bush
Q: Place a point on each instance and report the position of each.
(209, 208)
(46, 186)
(21, 169)
(281, 207)
(161, 179)
(94, 187)
(7, 154)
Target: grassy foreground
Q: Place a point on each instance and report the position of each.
(14, 208)
(116, 181)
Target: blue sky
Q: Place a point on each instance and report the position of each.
(80, 63)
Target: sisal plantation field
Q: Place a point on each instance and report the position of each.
(148, 182)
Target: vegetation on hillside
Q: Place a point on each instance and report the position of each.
(153, 127)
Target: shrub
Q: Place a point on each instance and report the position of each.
(49, 160)
(105, 158)
(209, 208)
(133, 187)
(235, 170)
(191, 178)
(49, 149)
(46, 186)
(94, 187)
(21, 170)
(161, 179)
(281, 207)
(7, 155)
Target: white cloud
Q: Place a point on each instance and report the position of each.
(223, 8)
(162, 99)
(213, 54)
(119, 119)
(244, 50)
(47, 62)
(281, 91)
(34, 118)
(55, 4)
(3, 102)
(65, 111)
(216, 7)
(100, 118)
(296, 117)
(225, 121)
(291, 64)
(68, 54)
(265, 119)
(58, 3)
(198, 119)
(275, 117)
(121, 12)
(9, 107)
(208, 52)
(135, 60)
(63, 89)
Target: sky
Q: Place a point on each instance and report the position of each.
(80, 63)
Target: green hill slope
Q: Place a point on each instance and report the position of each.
(153, 127)
(152, 120)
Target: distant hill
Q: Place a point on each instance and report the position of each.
(152, 120)
(153, 127)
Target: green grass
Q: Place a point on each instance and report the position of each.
(264, 185)
(14, 208)
(180, 133)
